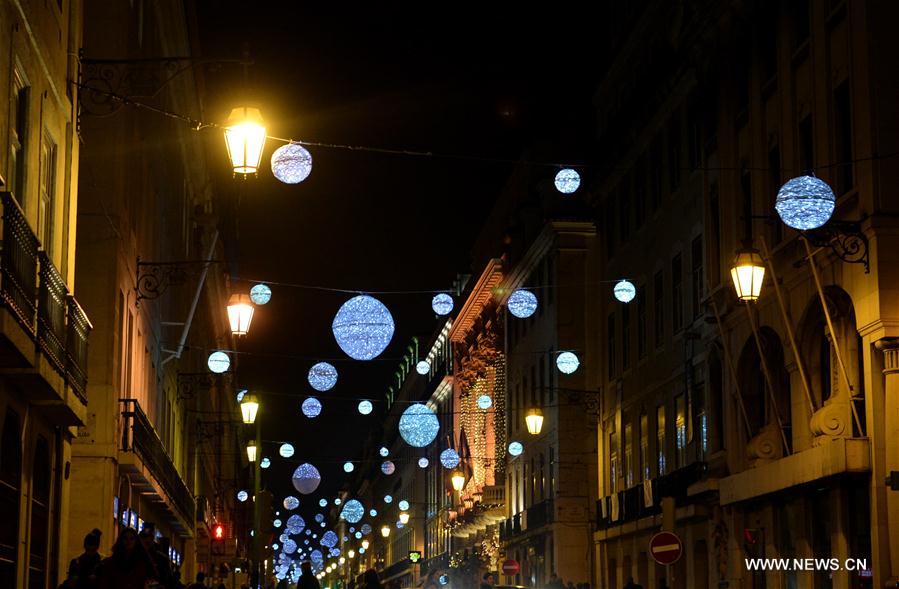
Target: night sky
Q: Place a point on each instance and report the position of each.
(442, 78)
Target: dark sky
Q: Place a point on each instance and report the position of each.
(443, 78)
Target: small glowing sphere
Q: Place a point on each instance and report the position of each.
(291, 163)
(522, 303)
(218, 362)
(322, 524)
(624, 291)
(423, 462)
(266, 462)
(323, 502)
(383, 451)
(295, 524)
(515, 448)
(388, 499)
(277, 523)
(372, 512)
(423, 367)
(282, 537)
(403, 505)
(290, 547)
(805, 202)
(484, 402)
(443, 579)
(365, 407)
(240, 395)
(260, 294)
(322, 377)
(329, 539)
(567, 362)
(291, 503)
(286, 450)
(306, 478)
(442, 304)
(311, 407)
(353, 511)
(348, 467)
(319, 517)
(366, 529)
(363, 327)
(567, 181)
(449, 458)
(242, 496)
(418, 425)
(388, 467)
(357, 535)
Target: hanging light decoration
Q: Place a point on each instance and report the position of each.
(251, 451)
(567, 181)
(266, 462)
(329, 539)
(449, 458)
(286, 450)
(567, 362)
(458, 480)
(311, 407)
(534, 421)
(522, 303)
(306, 478)
(366, 543)
(240, 314)
(385, 530)
(624, 291)
(388, 498)
(516, 448)
(387, 467)
(365, 407)
(404, 517)
(484, 402)
(322, 377)
(291, 503)
(373, 513)
(442, 304)
(337, 501)
(218, 362)
(242, 495)
(383, 451)
(363, 327)
(245, 137)
(423, 462)
(249, 407)
(423, 367)
(418, 425)
(403, 505)
(260, 294)
(348, 467)
(805, 202)
(323, 502)
(748, 273)
(291, 163)
(353, 511)
(319, 517)
(290, 547)
(277, 523)
(240, 394)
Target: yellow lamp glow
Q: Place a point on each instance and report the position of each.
(365, 544)
(404, 518)
(385, 530)
(240, 313)
(351, 553)
(458, 480)
(245, 137)
(534, 421)
(251, 451)
(249, 407)
(748, 272)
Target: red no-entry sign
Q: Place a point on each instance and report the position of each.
(511, 567)
(665, 548)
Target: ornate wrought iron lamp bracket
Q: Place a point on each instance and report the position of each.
(189, 381)
(845, 239)
(154, 278)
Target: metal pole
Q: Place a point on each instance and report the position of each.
(257, 509)
(767, 373)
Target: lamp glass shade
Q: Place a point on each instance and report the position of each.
(458, 480)
(240, 313)
(249, 407)
(404, 517)
(245, 138)
(385, 530)
(251, 451)
(365, 544)
(748, 272)
(534, 421)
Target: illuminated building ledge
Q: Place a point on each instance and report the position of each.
(651, 523)
(832, 458)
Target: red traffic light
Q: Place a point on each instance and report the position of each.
(218, 532)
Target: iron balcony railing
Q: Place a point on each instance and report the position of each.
(18, 264)
(78, 329)
(139, 436)
(51, 313)
(540, 514)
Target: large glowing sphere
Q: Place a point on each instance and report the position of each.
(449, 458)
(423, 367)
(348, 467)
(387, 467)
(366, 529)
(624, 291)
(353, 511)
(484, 402)
(260, 294)
(311, 407)
(403, 505)
(291, 163)
(290, 547)
(218, 362)
(295, 524)
(291, 503)
(242, 496)
(522, 303)
(265, 463)
(423, 462)
(286, 450)
(515, 448)
(805, 202)
(322, 376)
(418, 425)
(365, 407)
(442, 304)
(567, 362)
(567, 181)
(329, 539)
(306, 478)
(363, 327)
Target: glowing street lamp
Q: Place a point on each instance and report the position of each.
(534, 421)
(251, 451)
(385, 530)
(404, 517)
(458, 480)
(240, 313)
(748, 272)
(249, 407)
(245, 137)
(365, 545)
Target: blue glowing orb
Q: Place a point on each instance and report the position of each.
(357, 535)
(624, 291)
(515, 448)
(291, 163)
(295, 524)
(319, 517)
(423, 462)
(242, 496)
(567, 362)
(403, 505)
(805, 202)
(277, 523)
(443, 579)
(322, 377)
(484, 402)
(240, 395)
(266, 462)
(383, 451)
(306, 478)
(363, 327)
(418, 425)
(337, 501)
(290, 547)
(218, 362)
(260, 294)
(372, 512)
(442, 304)
(329, 539)
(286, 450)
(388, 498)
(449, 458)
(366, 529)
(311, 407)
(365, 407)
(522, 303)
(353, 511)
(348, 467)
(423, 367)
(323, 502)
(291, 503)
(567, 181)
(388, 467)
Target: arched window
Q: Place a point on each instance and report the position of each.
(10, 481)
(40, 514)
(754, 382)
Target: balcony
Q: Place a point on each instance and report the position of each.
(632, 504)
(143, 455)
(539, 515)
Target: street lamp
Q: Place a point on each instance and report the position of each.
(240, 313)
(245, 137)
(249, 406)
(365, 545)
(404, 517)
(747, 272)
(351, 553)
(251, 451)
(534, 421)
(458, 480)
(385, 530)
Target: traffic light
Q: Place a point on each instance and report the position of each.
(218, 532)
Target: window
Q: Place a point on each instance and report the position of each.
(842, 138)
(658, 293)
(614, 474)
(644, 447)
(18, 137)
(10, 483)
(625, 337)
(40, 515)
(46, 204)
(641, 322)
(677, 293)
(628, 456)
(660, 439)
(611, 345)
(696, 275)
(674, 151)
(680, 424)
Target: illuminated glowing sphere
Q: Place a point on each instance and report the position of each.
(357, 535)
(218, 362)
(353, 511)
(290, 547)
(323, 502)
(449, 458)
(319, 517)
(365, 407)
(348, 467)
(286, 450)
(291, 163)
(363, 327)
(322, 377)
(240, 395)
(366, 529)
(291, 503)
(418, 425)
(403, 505)
(329, 539)
(372, 512)
(388, 498)
(242, 496)
(306, 478)
(260, 294)
(484, 402)
(295, 524)
(266, 462)
(805, 202)
(443, 579)
(567, 181)
(337, 501)
(277, 523)
(423, 367)
(383, 451)
(515, 448)
(311, 407)
(442, 304)
(387, 467)
(567, 362)
(522, 303)
(624, 291)
(423, 462)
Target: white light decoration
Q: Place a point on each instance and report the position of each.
(286, 450)
(384, 452)
(277, 523)
(311, 407)
(567, 362)
(388, 498)
(337, 501)
(423, 367)
(260, 294)
(567, 181)
(218, 362)
(522, 303)
(624, 291)
(372, 512)
(403, 505)
(322, 377)
(449, 458)
(388, 467)
(348, 467)
(295, 524)
(241, 394)
(242, 495)
(418, 425)
(291, 503)
(805, 202)
(283, 537)
(306, 478)
(363, 327)
(323, 502)
(329, 539)
(516, 448)
(365, 407)
(274, 545)
(484, 402)
(319, 517)
(357, 535)
(290, 547)
(266, 462)
(291, 163)
(353, 511)
(322, 524)
(423, 462)
(442, 304)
